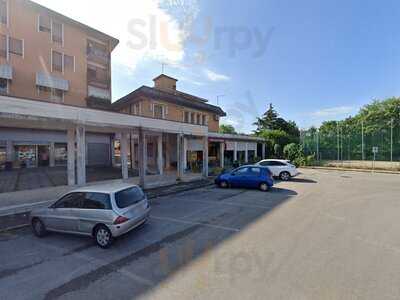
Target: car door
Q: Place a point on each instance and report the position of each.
(238, 178)
(272, 166)
(96, 209)
(253, 177)
(60, 217)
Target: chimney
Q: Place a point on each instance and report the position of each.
(164, 82)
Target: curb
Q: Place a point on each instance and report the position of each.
(353, 170)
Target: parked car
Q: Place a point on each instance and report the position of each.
(247, 177)
(103, 212)
(281, 169)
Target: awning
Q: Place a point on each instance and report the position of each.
(46, 80)
(6, 72)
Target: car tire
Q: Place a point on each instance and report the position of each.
(284, 176)
(103, 236)
(38, 227)
(264, 187)
(223, 184)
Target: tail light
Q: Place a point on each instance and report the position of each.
(120, 220)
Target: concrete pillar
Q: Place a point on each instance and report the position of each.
(52, 155)
(263, 151)
(133, 154)
(246, 154)
(179, 155)
(81, 155)
(205, 156)
(184, 153)
(9, 151)
(160, 162)
(222, 154)
(167, 150)
(142, 158)
(71, 156)
(235, 157)
(124, 155)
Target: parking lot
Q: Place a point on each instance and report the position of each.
(325, 235)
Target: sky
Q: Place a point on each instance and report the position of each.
(314, 60)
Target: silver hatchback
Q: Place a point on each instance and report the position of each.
(103, 212)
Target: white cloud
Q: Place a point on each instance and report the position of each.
(145, 30)
(213, 76)
(333, 112)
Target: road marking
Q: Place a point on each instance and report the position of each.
(227, 203)
(195, 223)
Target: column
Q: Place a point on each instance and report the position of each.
(167, 150)
(263, 151)
(142, 158)
(124, 155)
(179, 156)
(71, 156)
(81, 154)
(52, 155)
(235, 152)
(9, 151)
(184, 153)
(205, 157)
(222, 154)
(246, 154)
(160, 154)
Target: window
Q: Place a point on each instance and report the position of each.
(136, 109)
(186, 117)
(16, 46)
(57, 33)
(3, 86)
(57, 95)
(198, 119)
(241, 171)
(97, 201)
(3, 12)
(73, 200)
(69, 63)
(255, 171)
(57, 61)
(193, 118)
(3, 46)
(97, 50)
(44, 24)
(98, 76)
(129, 197)
(204, 120)
(158, 111)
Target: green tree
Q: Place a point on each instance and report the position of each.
(227, 129)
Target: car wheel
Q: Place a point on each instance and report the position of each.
(103, 236)
(223, 184)
(264, 187)
(284, 176)
(38, 228)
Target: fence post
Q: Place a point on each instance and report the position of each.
(362, 140)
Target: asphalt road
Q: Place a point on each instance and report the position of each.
(326, 235)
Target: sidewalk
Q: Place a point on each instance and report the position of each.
(15, 207)
(354, 170)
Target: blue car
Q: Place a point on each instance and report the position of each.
(247, 177)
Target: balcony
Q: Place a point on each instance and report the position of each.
(46, 80)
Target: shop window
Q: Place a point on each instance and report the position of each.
(44, 24)
(3, 12)
(3, 86)
(57, 33)
(60, 154)
(16, 46)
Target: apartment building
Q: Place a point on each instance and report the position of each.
(49, 57)
(46, 56)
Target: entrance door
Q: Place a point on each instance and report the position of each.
(43, 156)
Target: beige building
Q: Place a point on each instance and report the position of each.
(49, 57)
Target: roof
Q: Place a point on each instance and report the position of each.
(104, 188)
(237, 137)
(175, 97)
(93, 32)
(166, 76)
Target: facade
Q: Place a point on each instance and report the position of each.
(56, 110)
(45, 56)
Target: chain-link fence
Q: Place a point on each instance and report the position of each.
(359, 142)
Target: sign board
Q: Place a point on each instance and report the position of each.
(375, 150)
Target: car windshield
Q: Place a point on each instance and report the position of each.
(129, 197)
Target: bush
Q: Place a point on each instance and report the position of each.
(292, 152)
